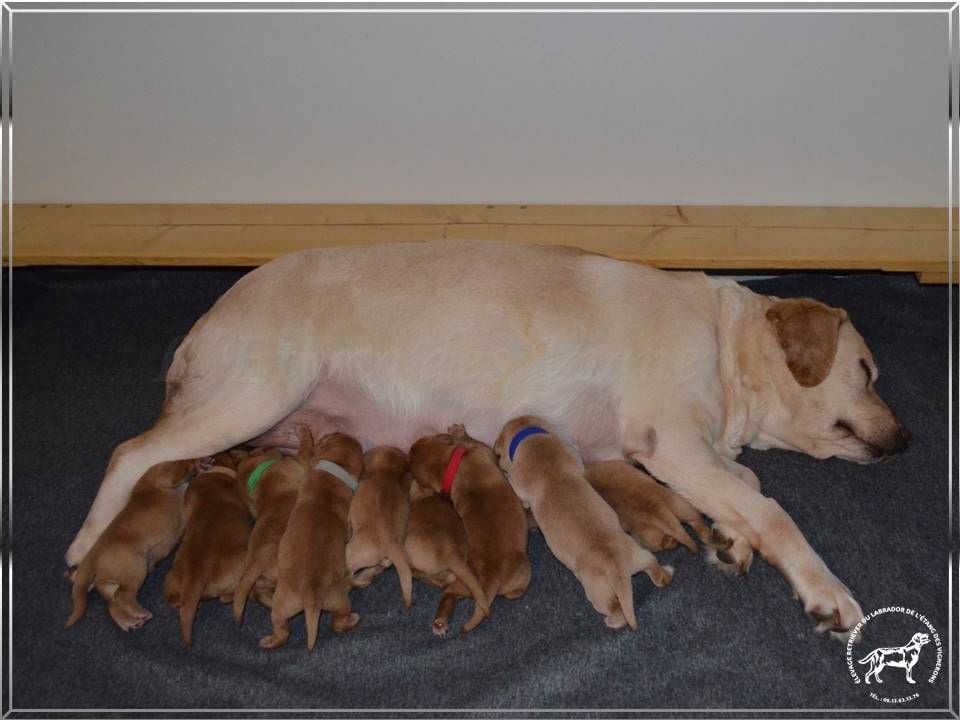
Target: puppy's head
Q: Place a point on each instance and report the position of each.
(386, 460)
(501, 448)
(824, 374)
(341, 449)
(428, 459)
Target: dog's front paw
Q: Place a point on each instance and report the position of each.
(828, 602)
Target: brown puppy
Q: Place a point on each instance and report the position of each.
(312, 573)
(268, 483)
(578, 526)
(436, 544)
(144, 532)
(211, 557)
(378, 520)
(492, 515)
(652, 513)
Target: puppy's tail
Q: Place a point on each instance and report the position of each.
(305, 451)
(398, 556)
(465, 574)
(311, 613)
(81, 586)
(670, 525)
(478, 615)
(253, 570)
(189, 600)
(619, 580)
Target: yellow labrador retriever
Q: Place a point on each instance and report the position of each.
(676, 370)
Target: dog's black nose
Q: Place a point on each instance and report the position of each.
(901, 442)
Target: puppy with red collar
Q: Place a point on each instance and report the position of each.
(457, 465)
(436, 544)
(581, 530)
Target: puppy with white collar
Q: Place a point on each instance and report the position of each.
(581, 530)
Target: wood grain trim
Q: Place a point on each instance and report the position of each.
(727, 237)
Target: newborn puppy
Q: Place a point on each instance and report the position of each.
(378, 520)
(493, 517)
(437, 546)
(652, 513)
(144, 532)
(312, 573)
(578, 526)
(210, 559)
(268, 482)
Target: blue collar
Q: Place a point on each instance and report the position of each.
(523, 435)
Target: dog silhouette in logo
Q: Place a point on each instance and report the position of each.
(905, 657)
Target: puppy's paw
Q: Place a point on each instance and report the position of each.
(272, 642)
(440, 627)
(615, 620)
(126, 620)
(345, 623)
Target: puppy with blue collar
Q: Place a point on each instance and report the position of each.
(581, 530)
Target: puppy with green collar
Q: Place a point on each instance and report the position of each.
(269, 482)
(581, 530)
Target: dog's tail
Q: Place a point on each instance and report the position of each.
(189, 600)
(398, 556)
(311, 613)
(619, 580)
(493, 587)
(465, 574)
(81, 586)
(872, 657)
(253, 570)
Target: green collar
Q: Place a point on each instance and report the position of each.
(257, 473)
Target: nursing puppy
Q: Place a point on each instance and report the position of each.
(436, 544)
(579, 527)
(211, 557)
(312, 570)
(268, 482)
(650, 512)
(378, 520)
(493, 517)
(143, 533)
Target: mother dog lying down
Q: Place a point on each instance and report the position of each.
(389, 343)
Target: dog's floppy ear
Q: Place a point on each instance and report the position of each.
(807, 330)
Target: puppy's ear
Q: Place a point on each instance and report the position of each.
(807, 330)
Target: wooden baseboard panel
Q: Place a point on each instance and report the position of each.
(703, 237)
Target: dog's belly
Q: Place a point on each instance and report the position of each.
(588, 416)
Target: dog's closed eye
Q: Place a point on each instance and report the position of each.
(844, 427)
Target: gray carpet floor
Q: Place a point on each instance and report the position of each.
(90, 352)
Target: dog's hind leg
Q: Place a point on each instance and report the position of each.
(200, 418)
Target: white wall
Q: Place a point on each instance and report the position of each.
(819, 109)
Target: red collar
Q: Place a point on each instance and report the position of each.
(451, 472)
